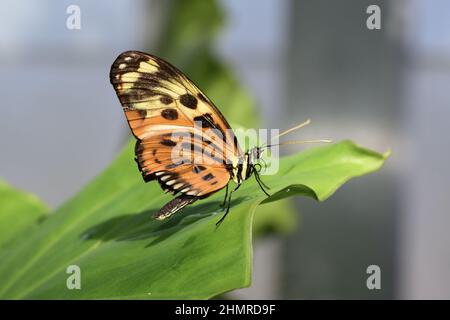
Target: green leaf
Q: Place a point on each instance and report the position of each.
(19, 211)
(108, 232)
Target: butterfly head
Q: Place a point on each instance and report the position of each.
(251, 163)
(256, 153)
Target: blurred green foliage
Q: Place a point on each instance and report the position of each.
(19, 212)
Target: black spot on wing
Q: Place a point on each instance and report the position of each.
(166, 100)
(169, 114)
(188, 100)
(208, 177)
(198, 169)
(169, 143)
(206, 121)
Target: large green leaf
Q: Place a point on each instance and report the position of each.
(108, 232)
(19, 211)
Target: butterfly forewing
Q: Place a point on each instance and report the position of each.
(152, 91)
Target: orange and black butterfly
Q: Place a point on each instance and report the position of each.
(163, 108)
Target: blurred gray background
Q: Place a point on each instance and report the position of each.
(61, 124)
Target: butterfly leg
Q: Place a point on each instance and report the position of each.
(228, 206)
(225, 198)
(261, 184)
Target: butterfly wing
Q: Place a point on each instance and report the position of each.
(158, 101)
(154, 92)
(172, 160)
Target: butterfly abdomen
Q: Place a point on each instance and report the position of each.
(174, 206)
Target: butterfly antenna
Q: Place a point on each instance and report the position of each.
(285, 132)
(299, 142)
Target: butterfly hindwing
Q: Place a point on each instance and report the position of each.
(174, 164)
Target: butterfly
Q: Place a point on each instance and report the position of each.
(183, 140)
